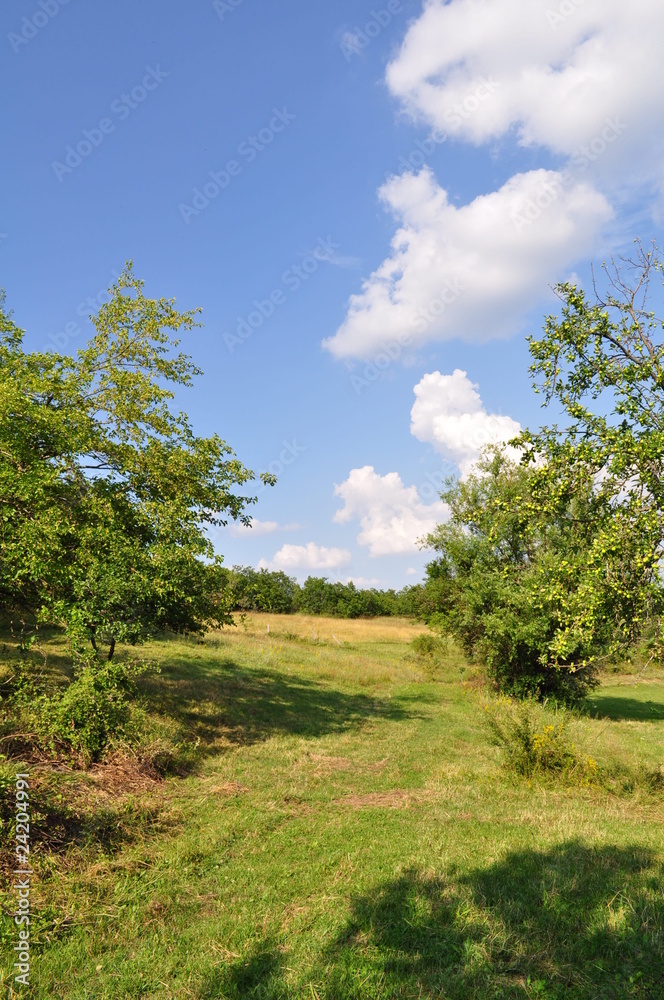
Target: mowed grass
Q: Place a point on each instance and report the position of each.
(340, 827)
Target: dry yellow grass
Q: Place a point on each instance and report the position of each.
(346, 630)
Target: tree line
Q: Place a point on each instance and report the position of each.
(248, 589)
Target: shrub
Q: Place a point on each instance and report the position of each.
(428, 647)
(537, 742)
(94, 710)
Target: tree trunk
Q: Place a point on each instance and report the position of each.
(111, 649)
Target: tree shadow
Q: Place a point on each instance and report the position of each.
(575, 922)
(219, 703)
(615, 707)
(260, 976)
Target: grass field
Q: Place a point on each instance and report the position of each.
(339, 826)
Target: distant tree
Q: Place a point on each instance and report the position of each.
(260, 590)
(106, 494)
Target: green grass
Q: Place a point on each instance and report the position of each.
(339, 826)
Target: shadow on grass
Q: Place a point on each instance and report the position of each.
(615, 707)
(260, 976)
(219, 702)
(575, 922)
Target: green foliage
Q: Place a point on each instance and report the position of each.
(511, 581)
(427, 646)
(106, 493)
(344, 600)
(247, 589)
(536, 742)
(86, 713)
(93, 710)
(603, 362)
(549, 568)
(327, 772)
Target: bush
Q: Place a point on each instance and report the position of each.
(93, 711)
(249, 589)
(536, 742)
(93, 708)
(427, 646)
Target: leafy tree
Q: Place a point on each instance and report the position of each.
(602, 360)
(260, 590)
(548, 567)
(106, 493)
(510, 579)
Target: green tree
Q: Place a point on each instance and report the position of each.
(261, 590)
(548, 567)
(510, 581)
(602, 361)
(106, 493)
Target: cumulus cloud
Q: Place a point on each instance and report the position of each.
(310, 556)
(449, 414)
(392, 517)
(474, 271)
(554, 71)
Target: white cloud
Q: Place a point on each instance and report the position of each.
(471, 272)
(392, 517)
(448, 413)
(555, 71)
(310, 556)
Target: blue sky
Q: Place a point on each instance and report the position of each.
(396, 187)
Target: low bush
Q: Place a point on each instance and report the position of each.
(92, 711)
(427, 646)
(535, 741)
